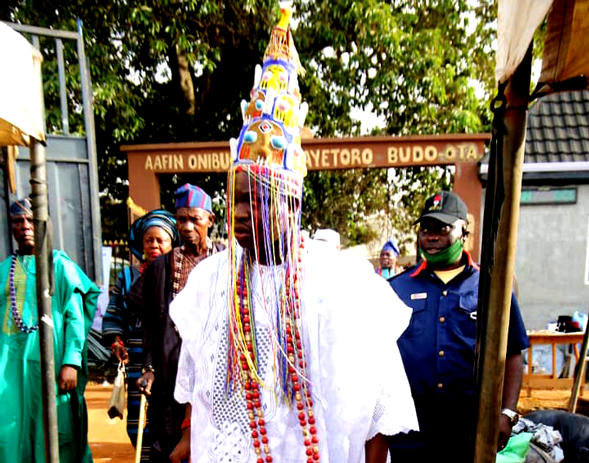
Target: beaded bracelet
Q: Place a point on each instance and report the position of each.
(117, 343)
(185, 424)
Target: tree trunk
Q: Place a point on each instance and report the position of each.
(182, 79)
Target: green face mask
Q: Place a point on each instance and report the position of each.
(446, 257)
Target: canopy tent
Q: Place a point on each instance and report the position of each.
(21, 111)
(516, 26)
(565, 62)
(22, 123)
(565, 66)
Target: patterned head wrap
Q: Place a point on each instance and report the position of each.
(21, 207)
(391, 245)
(192, 196)
(156, 218)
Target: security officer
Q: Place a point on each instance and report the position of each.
(438, 347)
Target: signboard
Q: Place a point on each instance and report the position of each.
(322, 154)
(147, 162)
(549, 196)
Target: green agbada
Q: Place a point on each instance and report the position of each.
(21, 402)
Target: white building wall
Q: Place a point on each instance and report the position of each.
(550, 260)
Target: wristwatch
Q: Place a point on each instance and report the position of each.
(147, 368)
(513, 416)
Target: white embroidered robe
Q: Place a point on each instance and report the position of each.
(352, 320)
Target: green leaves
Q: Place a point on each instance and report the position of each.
(415, 64)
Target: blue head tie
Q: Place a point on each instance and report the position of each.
(156, 218)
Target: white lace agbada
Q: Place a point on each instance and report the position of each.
(352, 320)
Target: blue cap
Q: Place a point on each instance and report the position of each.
(390, 245)
(192, 196)
(21, 207)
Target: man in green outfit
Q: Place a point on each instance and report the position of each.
(73, 306)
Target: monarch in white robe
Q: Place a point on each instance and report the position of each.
(351, 322)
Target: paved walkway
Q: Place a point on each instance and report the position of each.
(109, 441)
(108, 438)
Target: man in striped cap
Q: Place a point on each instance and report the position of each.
(162, 282)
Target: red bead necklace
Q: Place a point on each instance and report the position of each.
(297, 384)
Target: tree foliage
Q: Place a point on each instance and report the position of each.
(171, 71)
(416, 65)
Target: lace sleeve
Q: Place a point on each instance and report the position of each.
(185, 377)
(394, 409)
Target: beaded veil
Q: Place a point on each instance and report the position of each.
(268, 151)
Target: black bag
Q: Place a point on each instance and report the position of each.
(573, 428)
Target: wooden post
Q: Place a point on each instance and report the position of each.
(43, 265)
(579, 372)
(498, 261)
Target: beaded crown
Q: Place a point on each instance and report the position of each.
(275, 114)
(269, 152)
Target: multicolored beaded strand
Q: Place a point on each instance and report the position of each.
(18, 321)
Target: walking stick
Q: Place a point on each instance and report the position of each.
(141, 425)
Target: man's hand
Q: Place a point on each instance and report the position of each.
(120, 351)
(145, 382)
(68, 379)
(182, 450)
(504, 432)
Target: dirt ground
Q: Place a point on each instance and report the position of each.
(109, 441)
(108, 438)
(558, 400)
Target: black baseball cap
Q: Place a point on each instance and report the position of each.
(444, 206)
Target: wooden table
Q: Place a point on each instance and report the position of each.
(550, 381)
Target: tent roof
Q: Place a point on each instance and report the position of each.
(21, 111)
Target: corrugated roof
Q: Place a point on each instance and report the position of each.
(558, 128)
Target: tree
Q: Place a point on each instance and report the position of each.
(413, 63)
(171, 71)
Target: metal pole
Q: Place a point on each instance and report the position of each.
(498, 263)
(87, 102)
(65, 125)
(43, 268)
(579, 373)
